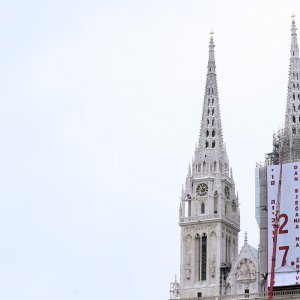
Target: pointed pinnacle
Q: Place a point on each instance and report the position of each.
(189, 171)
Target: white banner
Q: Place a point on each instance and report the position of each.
(287, 267)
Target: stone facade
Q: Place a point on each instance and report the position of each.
(209, 217)
(289, 140)
(244, 275)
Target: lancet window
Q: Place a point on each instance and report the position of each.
(201, 257)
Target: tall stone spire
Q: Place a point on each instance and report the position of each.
(211, 148)
(209, 215)
(211, 127)
(292, 117)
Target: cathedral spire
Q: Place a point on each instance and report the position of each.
(292, 117)
(208, 201)
(210, 137)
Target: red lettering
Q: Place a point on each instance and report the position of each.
(286, 249)
(281, 230)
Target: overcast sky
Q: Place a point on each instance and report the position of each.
(100, 111)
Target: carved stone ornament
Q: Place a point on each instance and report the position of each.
(213, 268)
(188, 247)
(246, 271)
(198, 229)
(188, 268)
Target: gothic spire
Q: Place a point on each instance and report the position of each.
(292, 117)
(210, 137)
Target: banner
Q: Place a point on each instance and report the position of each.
(287, 267)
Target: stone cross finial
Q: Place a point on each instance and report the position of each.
(246, 237)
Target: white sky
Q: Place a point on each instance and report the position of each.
(101, 106)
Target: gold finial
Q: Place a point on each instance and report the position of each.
(293, 17)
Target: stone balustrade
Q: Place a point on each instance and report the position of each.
(291, 294)
(207, 218)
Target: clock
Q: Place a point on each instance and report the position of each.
(202, 189)
(227, 192)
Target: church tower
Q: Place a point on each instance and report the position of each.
(292, 117)
(209, 210)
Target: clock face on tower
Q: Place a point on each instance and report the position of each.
(227, 192)
(202, 189)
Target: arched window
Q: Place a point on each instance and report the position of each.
(212, 90)
(294, 107)
(207, 133)
(213, 133)
(203, 256)
(189, 207)
(226, 249)
(212, 101)
(213, 112)
(215, 166)
(197, 257)
(233, 206)
(208, 112)
(204, 166)
(213, 122)
(207, 121)
(213, 144)
(293, 96)
(202, 208)
(294, 119)
(216, 202)
(206, 144)
(208, 100)
(229, 250)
